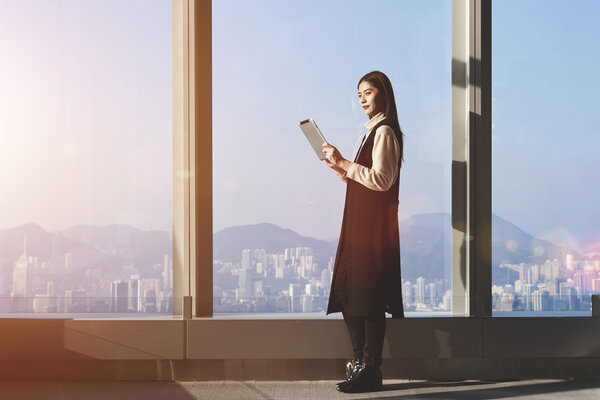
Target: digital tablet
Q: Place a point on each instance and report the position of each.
(314, 136)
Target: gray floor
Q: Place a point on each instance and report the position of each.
(393, 389)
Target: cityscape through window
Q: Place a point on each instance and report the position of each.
(277, 208)
(86, 158)
(546, 235)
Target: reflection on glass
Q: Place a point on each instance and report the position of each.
(85, 161)
(277, 208)
(546, 231)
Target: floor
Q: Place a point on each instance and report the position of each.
(393, 389)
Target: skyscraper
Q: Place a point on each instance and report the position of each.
(132, 293)
(167, 274)
(407, 293)
(119, 294)
(570, 263)
(21, 273)
(247, 259)
(245, 283)
(420, 291)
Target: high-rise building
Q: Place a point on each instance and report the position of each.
(596, 285)
(245, 283)
(287, 254)
(132, 293)
(588, 280)
(566, 293)
(260, 255)
(247, 258)
(295, 293)
(307, 303)
(119, 295)
(431, 295)
(407, 296)
(167, 274)
(420, 291)
(521, 270)
(519, 286)
(326, 278)
(279, 272)
(147, 285)
(570, 263)
(150, 301)
(535, 274)
(22, 273)
(447, 301)
(529, 289)
(68, 260)
(555, 265)
(578, 278)
(536, 300)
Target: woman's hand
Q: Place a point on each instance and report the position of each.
(334, 159)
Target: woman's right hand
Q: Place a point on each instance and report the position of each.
(334, 159)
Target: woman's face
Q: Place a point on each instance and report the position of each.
(369, 98)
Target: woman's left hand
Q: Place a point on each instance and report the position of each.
(334, 159)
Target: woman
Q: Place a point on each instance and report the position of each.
(366, 278)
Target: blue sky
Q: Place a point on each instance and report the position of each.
(276, 63)
(545, 136)
(87, 77)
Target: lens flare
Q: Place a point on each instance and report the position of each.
(538, 251)
(511, 245)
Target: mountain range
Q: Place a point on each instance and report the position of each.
(424, 238)
(107, 247)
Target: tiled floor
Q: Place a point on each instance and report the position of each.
(393, 389)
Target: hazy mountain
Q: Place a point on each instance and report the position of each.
(511, 244)
(144, 248)
(107, 247)
(40, 243)
(425, 247)
(229, 242)
(425, 241)
(422, 239)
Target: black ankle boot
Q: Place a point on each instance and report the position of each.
(364, 378)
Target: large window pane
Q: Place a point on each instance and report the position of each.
(85, 160)
(277, 208)
(546, 220)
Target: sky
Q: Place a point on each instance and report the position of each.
(545, 61)
(85, 113)
(277, 63)
(85, 110)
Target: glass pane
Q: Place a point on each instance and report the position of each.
(277, 208)
(85, 160)
(546, 222)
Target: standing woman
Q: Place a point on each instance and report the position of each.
(366, 278)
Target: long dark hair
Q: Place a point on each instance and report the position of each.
(384, 86)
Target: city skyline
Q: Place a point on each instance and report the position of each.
(288, 280)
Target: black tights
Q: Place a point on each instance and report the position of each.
(366, 335)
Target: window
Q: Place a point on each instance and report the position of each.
(277, 209)
(86, 158)
(545, 224)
